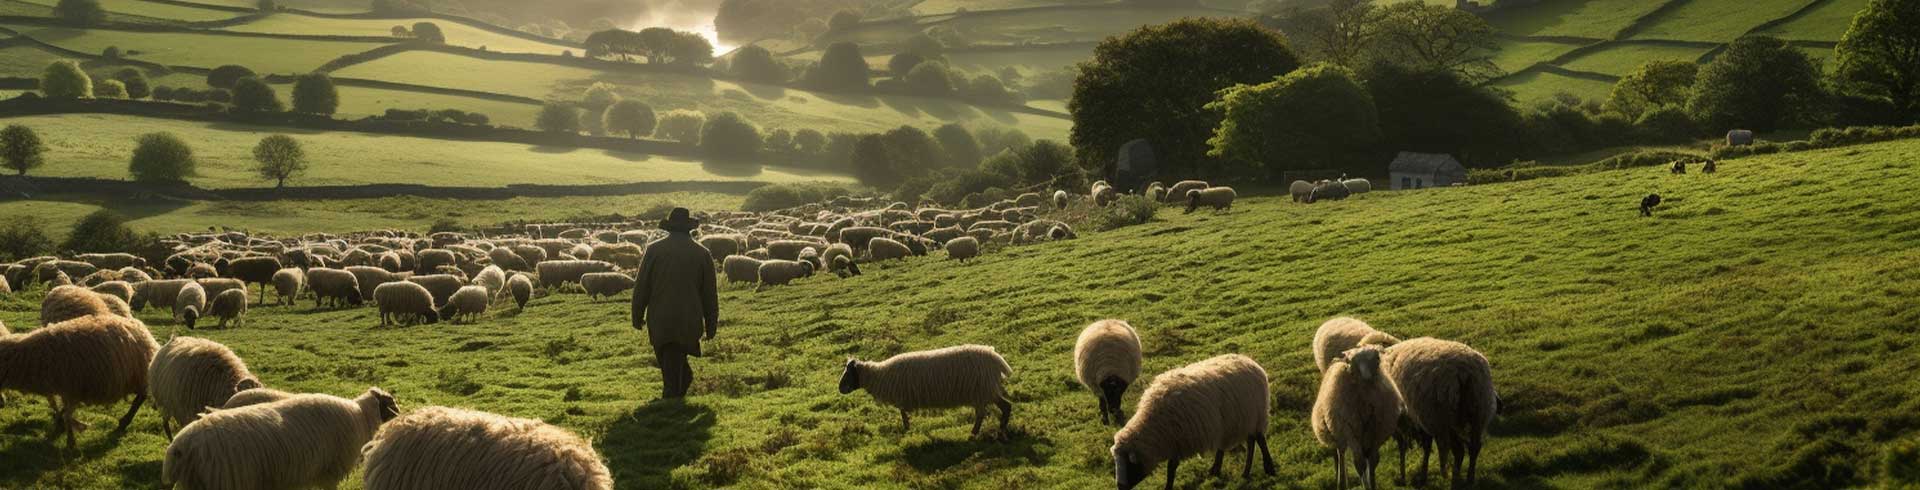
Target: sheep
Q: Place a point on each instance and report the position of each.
(190, 304)
(118, 289)
(1328, 190)
(5, 288)
(442, 286)
(789, 249)
(741, 268)
(1709, 167)
(69, 302)
(1339, 334)
(429, 261)
(255, 396)
(1106, 359)
(1447, 391)
(134, 276)
(844, 267)
(608, 284)
(99, 277)
(624, 255)
(157, 293)
(1103, 194)
(723, 246)
(113, 260)
(1029, 199)
(1301, 190)
(287, 284)
(1355, 412)
(759, 254)
(470, 302)
(962, 248)
(1156, 192)
(215, 285)
(1357, 186)
(47, 271)
(1218, 198)
(253, 270)
(782, 272)
(372, 277)
(304, 441)
(953, 377)
(493, 278)
(812, 256)
(1214, 404)
(1679, 167)
(116, 306)
(1180, 189)
(1060, 199)
(405, 302)
(190, 375)
(229, 306)
(335, 286)
(201, 270)
(522, 289)
(882, 248)
(92, 360)
(439, 447)
(555, 273)
(60, 278)
(858, 236)
(506, 259)
(1648, 203)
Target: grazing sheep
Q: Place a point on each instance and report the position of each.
(782, 272)
(1328, 190)
(962, 248)
(723, 246)
(190, 304)
(429, 261)
(405, 302)
(1181, 188)
(741, 268)
(439, 448)
(506, 259)
(789, 249)
(1028, 199)
(954, 377)
(470, 302)
(522, 289)
(1106, 359)
(1060, 199)
(1447, 391)
(1301, 190)
(47, 271)
(624, 255)
(844, 267)
(1103, 194)
(335, 286)
(113, 260)
(1679, 167)
(116, 306)
(215, 285)
(1156, 192)
(882, 248)
(157, 293)
(554, 273)
(60, 278)
(1355, 412)
(230, 305)
(1648, 203)
(304, 441)
(1357, 186)
(442, 286)
(1709, 167)
(134, 276)
(255, 396)
(812, 256)
(190, 375)
(372, 277)
(608, 284)
(202, 270)
(69, 302)
(1214, 405)
(287, 284)
(1339, 334)
(93, 360)
(117, 289)
(493, 278)
(1218, 198)
(858, 236)
(252, 270)
(759, 254)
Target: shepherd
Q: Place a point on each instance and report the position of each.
(675, 293)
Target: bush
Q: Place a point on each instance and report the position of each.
(633, 117)
(162, 92)
(682, 125)
(161, 157)
(959, 145)
(960, 184)
(64, 80)
(102, 231)
(24, 236)
(253, 95)
(109, 89)
(558, 117)
(227, 75)
(314, 93)
(1128, 210)
(756, 64)
(843, 20)
(1666, 124)
(135, 81)
(279, 157)
(842, 67)
(112, 53)
(429, 32)
(220, 95)
(80, 12)
(930, 79)
(729, 137)
(900, 64)
(774, 197)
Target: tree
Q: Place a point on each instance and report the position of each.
(161, 158)
(80, 12)
(923, 45)
(21, 149)
(930, 79)
(690, 49)
(842, 67)
(1341, 32)
(1657, 83)
(682, 125)
(809, 143)
(1436, 36)
(314, 93)
(101, 231)
(595, 102)
(1317, 117)
(558, 117)
(987, 88)
(756, 64)
(429, 32)
(664, 46)
(64, 80)
(227, 75)
(728, 137)
(138, 87)
(629, 116)
(24, 236)
(887, 159)
(1155, 82)
(1758, 83)
(252, 95)
(872, 164)
(780, 142)
(902, 63)
(1881, 53)
(1433, 110)
(612, 42)
(958, 144)
(843, 20)
(401, 31)
(109, 89)
(279, 157)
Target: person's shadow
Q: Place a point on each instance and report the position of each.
(644, 447)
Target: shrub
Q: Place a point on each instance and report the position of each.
(595, 102)
(843, 20)
(930, 79)
(253, 95)
(779, 142)
(64, 80)
(112, 53)
(220, 95)
(962, 183)
(429, 32)
(100, 232)
(682, 125)
(278, 158)
(558, 117)
(729, 137)
(135, 81)
(24, 236)
(21, 149)
(632, 117)
(1758, 83)
(900, 64)
(109, 89)
(809, 143)
(227, 75)
(773, 197)
(162, 92)
(1665, 124)
(161, 157)
(80, 12)
(842, 67)
(1128, 210)
(959, 145)
(314, 93)
(757, 64)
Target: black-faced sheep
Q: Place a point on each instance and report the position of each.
(190, 375)
(1211, 405)
(406, 303)
(1648, 203)
(971, 376)
(1355, 412)
(1106, 359)
(190, 305)
(1447, 391)
(93, 360)
(444, 448)
(304, 441)
(522, 290)
(1218, 198)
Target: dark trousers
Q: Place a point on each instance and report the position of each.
(676, 375)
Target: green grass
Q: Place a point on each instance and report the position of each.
(1592, 19)
(1621, 59)
(91, 145)
(985, 26)
(1827, 22)
(458, 34)
(155, 10)
(1514, 56)
(323, 6)
(263, 55)
(1716, 20)
(931, 7)
(1758, 333)
(767, 105)
(26, 61)
(1539, 85)
(358, 102)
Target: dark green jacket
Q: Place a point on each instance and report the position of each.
(675, 295)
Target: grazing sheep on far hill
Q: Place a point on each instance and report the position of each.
(1214, 405)
(1106, 359)
(445, 448)
(93, 360)
(190, 375)
(1328, 190)
(69, 302)
(962, 376)
(1447, 391)
(304, 441)
(1648, 203)
(1218, 198)
(1337, 335)
(1180, 189)
(1356, 411)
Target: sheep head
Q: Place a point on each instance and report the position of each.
(1364, 361)
(850, 378)
(1128, 471)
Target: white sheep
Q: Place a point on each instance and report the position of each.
(229, 306)
(741, 268)
(287, 284)
(1339, 334)
(117, 289)
(1060, 199)
(493, 278)
(1301, 190)
(1211, 405)
(444, 448)
(441, 286)
(1447, 391)
(405, 302)
(190, 304)
(69, 302)
(1181, 188)
(962, 248)
(555, 273)
(116, 306)
(1357, 186)
(337, 286)
(159, 293)
(92, 360)
(961, 376)
(783, 272)
(1355, 412)
(190, 375)
(469, 302)
(522, 289)
(1218, 198)
(606, 284)
(883, 248)
(255, 396)
(1106, 359)
(1156, 192)
(304, 441)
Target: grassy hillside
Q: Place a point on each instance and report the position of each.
(263, 55)
(1666, 352)
(458, 34)
(157, 10)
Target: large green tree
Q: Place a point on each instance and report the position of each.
(1437, 111)
(253, 95)
(138, 87)
(225, 76)
(161, 157)
(21, 149)
(1656, 83)
(1881, 52)
(1340, 32)
(101, 231)
(429, 32)
(632, 117)
(1759, 83)
(667, 46)
(1315, 118)
(958, 144)
(756, 64)
(65, 80)
(1435, 36)
(314, 93)
(1155, 82)
(278, 158)
(842, 67)
(730, 137)
(80, 12)
(558, 117)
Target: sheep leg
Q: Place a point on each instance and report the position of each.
(979, 415)
(1246, 471)
(126, 420)
(1105, 413)
(1473, 456)
(1400, 443)
(1006, 413)
(1362, 469)
(1173, 468)
(1339, 469)
(1266, 457)
(1426, 451)
(1219, 455)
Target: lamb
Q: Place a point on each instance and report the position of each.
(608, 284)
(92, 360)
(783, 272)
(470, 301)
(741, 268)
(157, 293)
(844, 267)
(960, 376)
(117, 289)
(1181, 188)
(1219, 198)
(1106, 359)
(335, 286)
(522, 289)
(252, 270)
(555, 273)
(69, 302)
(229, 306)
(304, 441)
(962, 248)
(1301, 190)
(882, 248)
(190, 375)
(439, 447)
(405, 302)
(493, 278)
(255, 396)
(1356, 411)
(287, 284)
(1214, 404)
(1156, 192)
(1339, 334)
(442, 286)
(190, 304)
(1447, 391)
(1060, 199)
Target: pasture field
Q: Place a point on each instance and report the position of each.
(767, 105)
(1619, 59)
(931, 7)
(1591, 19)
(1076, 23)
(262, 55)
(1665, 352)
(1716, 20)
(1515, 55)
(1028, 60)
(26, 61)
(155, 10)
(458, 34)
(358, 102)
(95, 145)
(1826, 22)
(1539, 85)
(322, 6)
